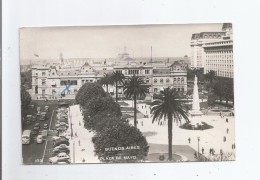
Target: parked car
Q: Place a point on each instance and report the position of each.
(43, 116)
(39, 139)
(38, 109)
(61, 148)
(62, 161)
(37, 125)
(60, 141)
(46, 108)
(45, 126)
(28, 119)
(59, 157)
(34, 118)
(35, 131)
(38, 113)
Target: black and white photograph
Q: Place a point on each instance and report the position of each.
(127, 94)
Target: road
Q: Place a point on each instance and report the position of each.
(35, 153)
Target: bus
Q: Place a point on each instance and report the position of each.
(26, 137)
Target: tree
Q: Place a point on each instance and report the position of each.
(25, 99)
(210, 76)
(169, 107)
(89, 91)
(117, 78)
(26, 79)
(97, 106)
(120, 143)
(106, 80)
(135, 87)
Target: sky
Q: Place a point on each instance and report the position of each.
(107, 41)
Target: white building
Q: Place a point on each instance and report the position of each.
(67, 77)
(213, 51)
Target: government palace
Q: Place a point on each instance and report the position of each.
(64, 79)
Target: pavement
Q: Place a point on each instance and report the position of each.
(81, 146)
(210, 138)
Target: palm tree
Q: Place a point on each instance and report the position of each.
(106, 80)
(135, 87)
(117, 78)
(169, 107)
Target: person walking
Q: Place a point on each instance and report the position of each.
(79, 142)
(202, 150)
(226, 120)
(189, 140)
(227, 130)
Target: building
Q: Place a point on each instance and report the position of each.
(219, 55)
(197, 41)
(67, 77)
(213, 51)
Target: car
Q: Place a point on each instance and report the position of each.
(38, 113)
(34, 118)
(38, 109)
(62, 161)
(46, 108)
(60, 140)
(61, 128)
(61, 148)
(35, 131)
(59, 157)
(45, 126)
(28, 119)
(39, 139)
(37, 125)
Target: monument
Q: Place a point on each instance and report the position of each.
(195, 113)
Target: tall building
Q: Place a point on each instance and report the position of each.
(219, 55)
(197, 41)
(213, 51)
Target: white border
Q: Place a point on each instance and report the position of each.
(243, 15)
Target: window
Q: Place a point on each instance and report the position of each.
(147, 71)
(53, 73)
(44, 82)
(167, 80)
(147, 80)
(43, 73)
(155, 80)
(155, 90)
(161, 80)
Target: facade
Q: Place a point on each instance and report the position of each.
(213, 51)
(197, 41)
(65, 78)
(219, 55)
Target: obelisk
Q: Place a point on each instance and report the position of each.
(195, 113)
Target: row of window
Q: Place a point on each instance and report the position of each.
(179, 89)
(68, 82)
(168, 80)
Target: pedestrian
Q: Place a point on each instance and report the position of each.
(227, 130)
(224, 139)
(227, 120)
(195, 155)
(79, 142)
(142, 107)
(234, 146)
(76, 134)
(189, 140)
(202, 150)
(213, 151)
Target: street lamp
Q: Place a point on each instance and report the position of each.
(198, 146)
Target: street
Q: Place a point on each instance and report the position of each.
(35, 153)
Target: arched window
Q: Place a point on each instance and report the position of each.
(182, 80)
(178, 80)
(155, 80)
(161, 80)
